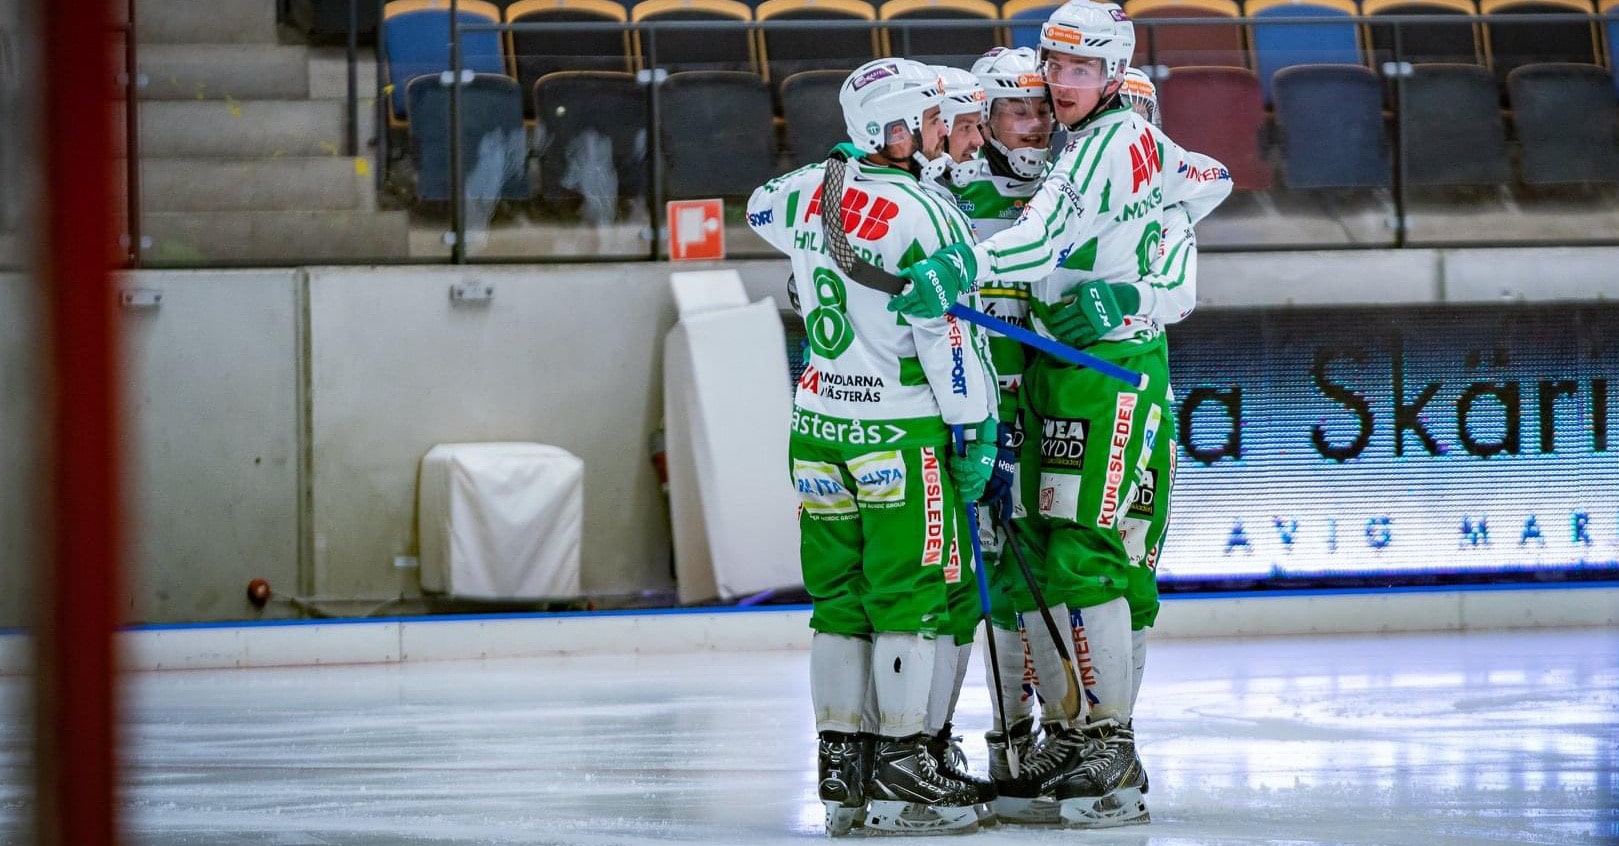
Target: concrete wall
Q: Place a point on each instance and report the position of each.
(22, 445)
(561, 355)
(277, 418)
(212, 424)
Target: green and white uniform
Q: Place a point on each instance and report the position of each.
(1099, 454)
(872, 413)
(995, 203)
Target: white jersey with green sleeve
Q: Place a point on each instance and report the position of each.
(1100, 216)
(994, 203)
(873, 378)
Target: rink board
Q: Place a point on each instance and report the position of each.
(452, 638)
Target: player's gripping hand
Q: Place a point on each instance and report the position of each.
(1090, 310)
(998, 491)
(972, 468)
(936, 282)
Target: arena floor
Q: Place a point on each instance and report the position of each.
(1501, 737)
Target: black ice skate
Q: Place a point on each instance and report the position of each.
(1059, 753)
(907, 794)
(946, 750)
(1037, 810)
(1107, 790)
(842, 768)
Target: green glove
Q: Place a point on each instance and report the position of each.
(936, 282)
(1090, 310)
(971, 471)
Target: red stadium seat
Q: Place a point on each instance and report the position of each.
(1218, 111)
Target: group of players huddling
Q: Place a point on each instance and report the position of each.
(907, 416)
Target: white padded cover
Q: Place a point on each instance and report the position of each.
(727, 407)
(501, 520)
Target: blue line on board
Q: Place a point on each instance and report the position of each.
(768, 609)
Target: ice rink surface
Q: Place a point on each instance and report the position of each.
(1502, 737)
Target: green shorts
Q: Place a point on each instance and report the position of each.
(1097, 467)
(878, 540)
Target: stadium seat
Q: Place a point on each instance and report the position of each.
(493, 151)
(718, 134)
(1180, 46)
(416, 38)
(1331, 118)
(538, 52)
(1279, 45)
(677, 50)
(1033, 11)
(956, 46)
(1449, 108)
(809, 104)
(1528, 42)
(785, 52)
(1424, 42)
(1568, 129)
(1610, 10)
(592, 128)
(1218, 111)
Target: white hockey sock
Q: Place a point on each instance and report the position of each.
(1017, 677)
(1047, 662)
(1102, 643)
(840, 673)
(964, 655)
(941, 691)
(1138, 649)
(902, 665)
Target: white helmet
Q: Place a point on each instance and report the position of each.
(1014, 74)
(1010, 73)
(1141, 95)
(962, 96)
(883, 92)
(1089, 28)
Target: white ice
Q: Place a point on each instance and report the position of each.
(1505, 737)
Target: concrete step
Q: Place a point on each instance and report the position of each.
(329, 69)
(240, 129)
(275, 237)
(205, 22)
(330, 183)
(224, 71)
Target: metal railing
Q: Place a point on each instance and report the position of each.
(1390, 62)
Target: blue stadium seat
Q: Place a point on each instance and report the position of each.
(1610, 9)
(416, 38)
(1033, 11)
(1278, 46)
(493, 147)
(1331, 117)
(1568, 130)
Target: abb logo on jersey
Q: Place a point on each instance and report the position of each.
(1144, 162)
(858, 221)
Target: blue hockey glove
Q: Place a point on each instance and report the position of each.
(998, 492)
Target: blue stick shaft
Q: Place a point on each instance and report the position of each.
(1050, 347)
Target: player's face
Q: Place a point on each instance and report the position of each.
(1077, 84)
(966, 137)
(1021, 123)
(934, 133)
